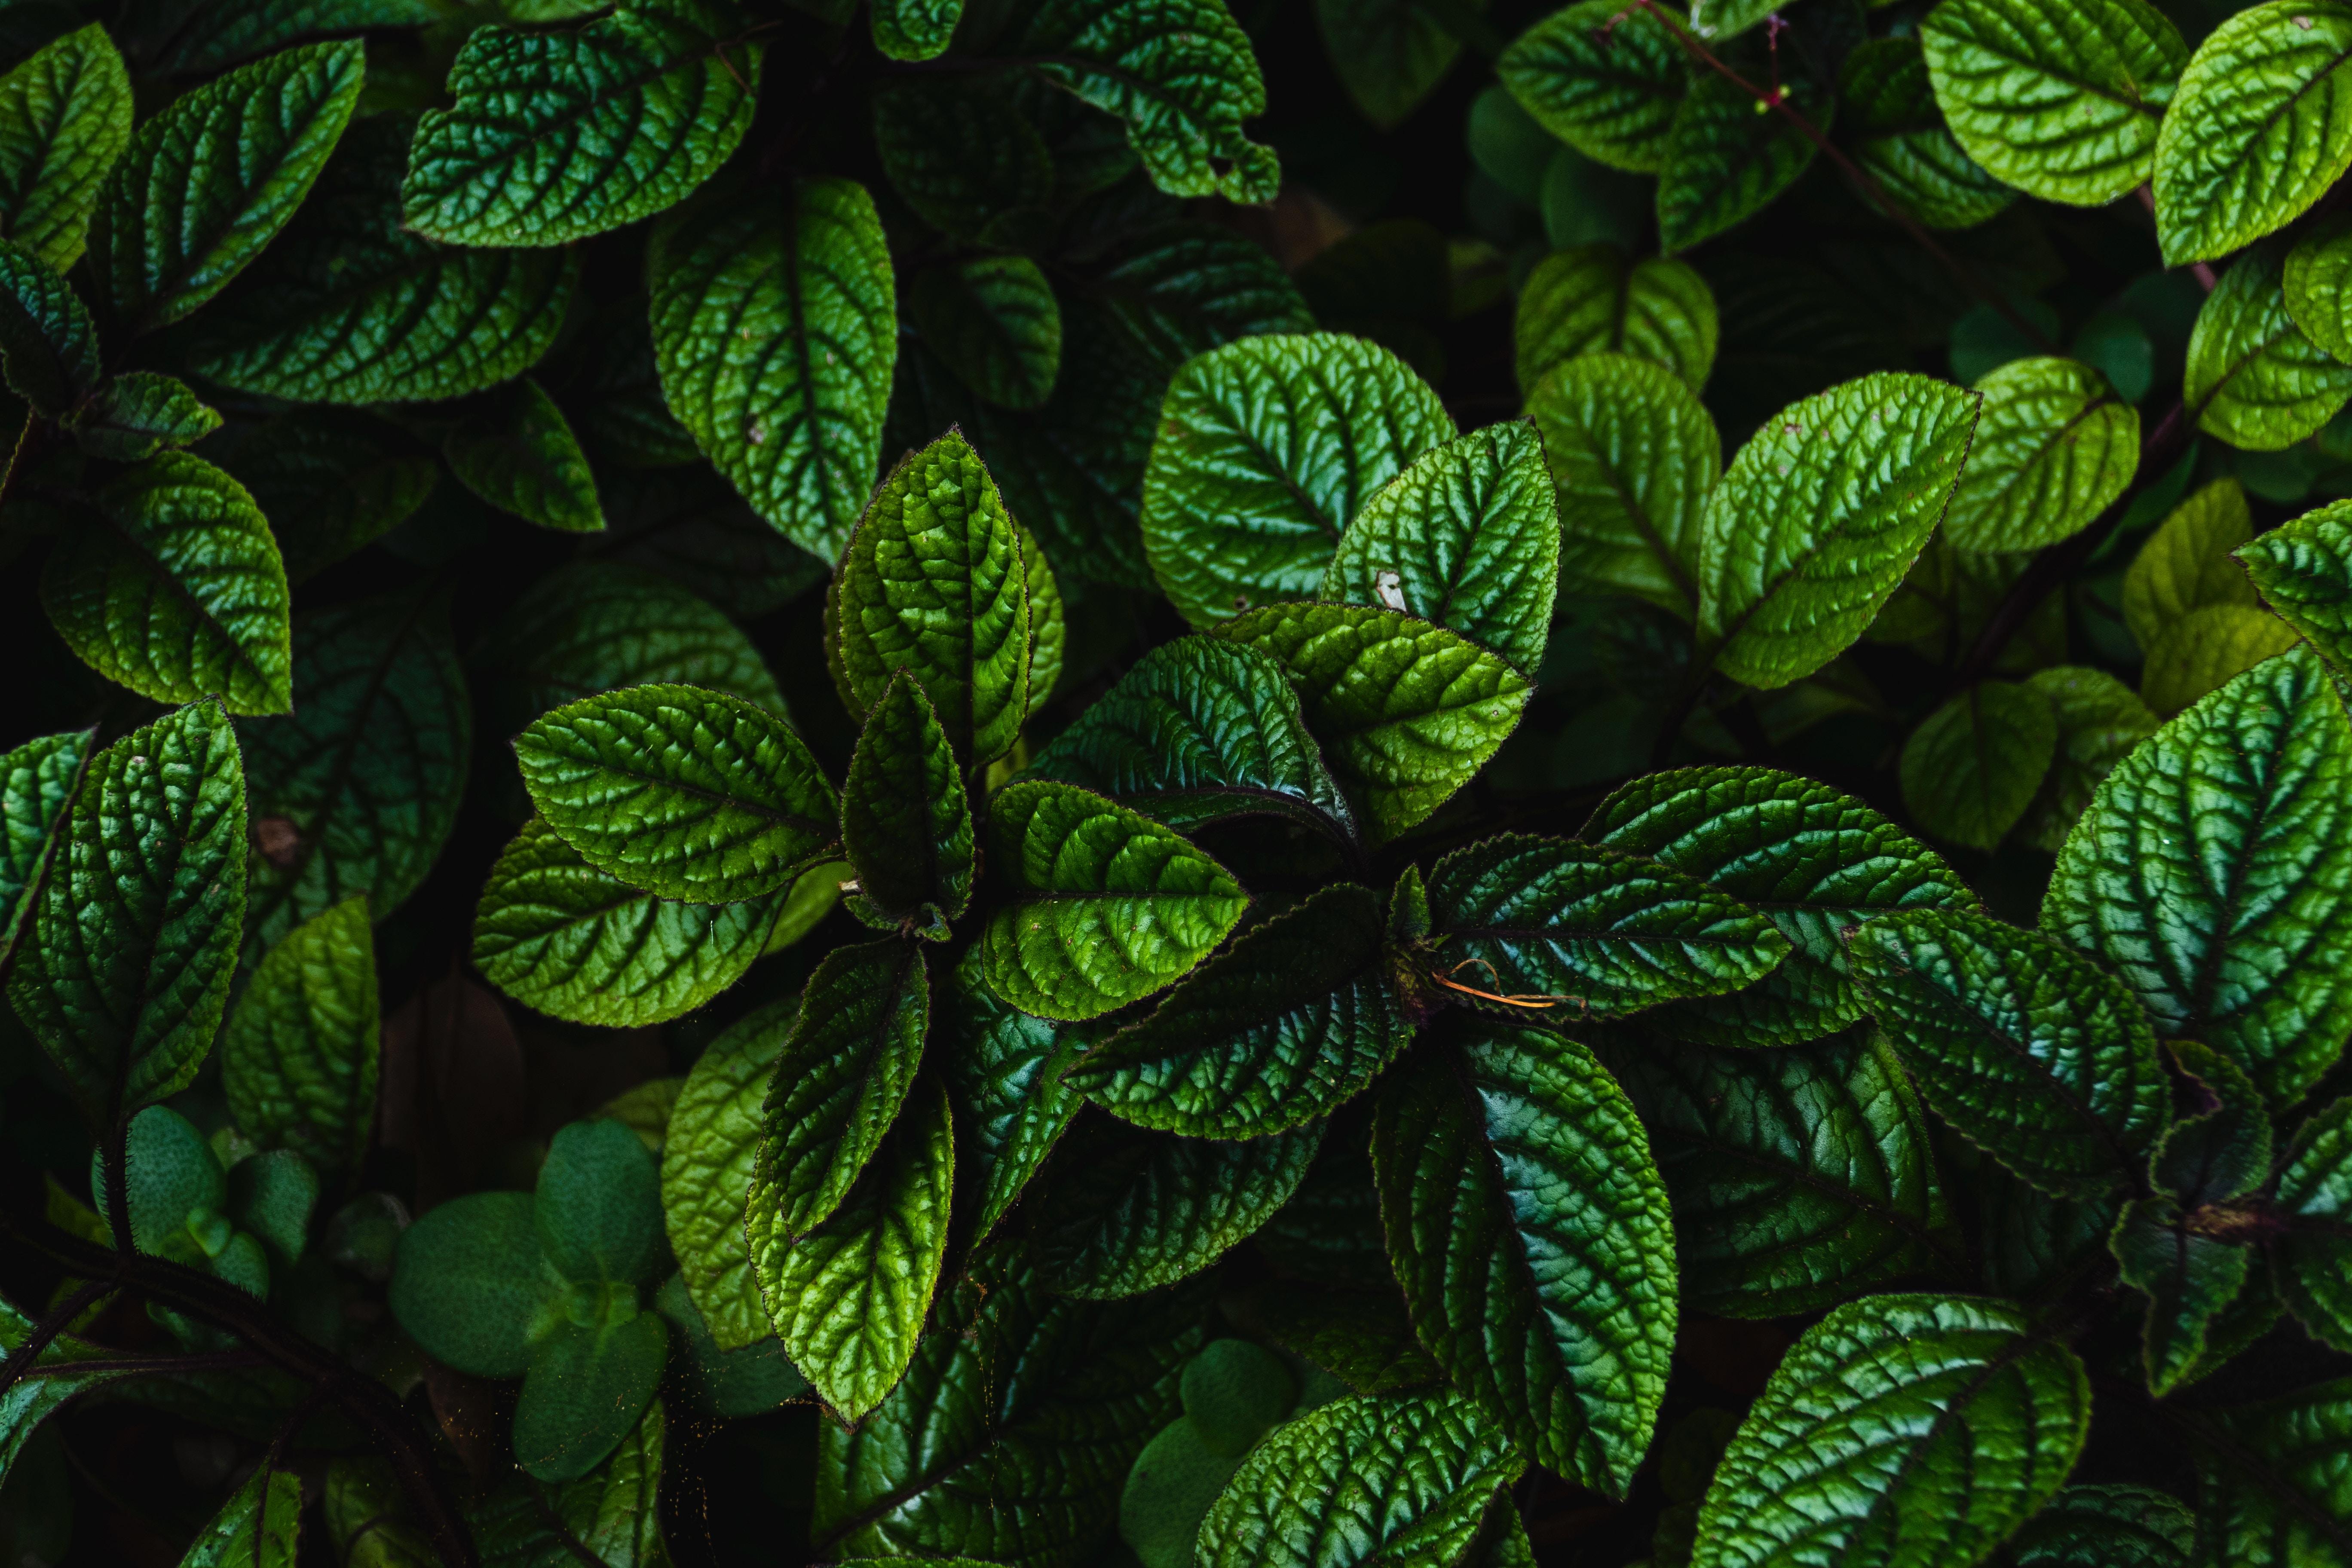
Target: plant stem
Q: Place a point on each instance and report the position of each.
(43, 1332)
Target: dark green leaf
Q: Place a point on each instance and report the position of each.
(332, 484)
(994, 321)
(2106, 1527)
(214, 36)
(906, 826)
(588, 1386)
(2272, 1490)
(2313, 1260)
(2100, 720)
(298, 1054)
(708, 1159)
(1595, 298)
(612, 1513)
(1364, 1338)
(599, 1205)
(514, 451)
(1899, 138)
(2189, 1279)
(65, 118)
(259, 1527)
(51, 347)
(1607, 84)
(915, 29)
(137, 415)
(1724, 161)
(961, 153)
(1971, 769)
(1006, 1070)
(39, 781)
(470, 1280)
(1389, 54)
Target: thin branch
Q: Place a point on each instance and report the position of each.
(45, 1332)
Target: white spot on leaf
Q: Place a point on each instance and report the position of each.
(1389, 586)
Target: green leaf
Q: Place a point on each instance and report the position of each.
(2189, 1279)
(923, 1472)
(349, 305)
(51, 347)
(1818, 516)
(175, 1183)
(1971, 769)
(2316, 271)
(1278, 1030)
(994, 321)
(2032, 1052)
(588, 1386)
(2187, 562)
(298, 1054)
(961, 153)
(906, 824)
(176, 220)
(2059, 98)
(685, 793)
(1109, 906)
(1389, 54)
(1182, 77)
(612, 1513)
(1363, 1481)
(2106, 1527)
(1267, 448)
(1811, 859)
(2172, 876)
(775, 326)
(553, 136)
(751, 1381)
(171, 584)
(259, 1527)
(1120, 1211)
(2100, 720)
(555, 933)
(39, 782)
(1724, 161)
(932, 582)
(2253, 378)
(514, 451)
(46, 1385)
(1176, 1480)
(470, 1281)
(65, 118)
(357, 789)
(1467, 537)
(139, 414)
(1530, 1232)
(2302, 570)
(2204, 648)
(1049, 630)
(127, 975)
(850, 1297)
(332, 487)
(213, 38)
(1364, 1338)
(1944, 1422)
(1407, 713)
(915, 29)
(1004, 1070)
(2254, 142)
(708, 1159)
(2272, 1492)
(1899, 138)
(1635, 455)
(1606, 84)
(1593, 299)
(1197, 730)
(2055, 446)
(2312, 1264)
(1799, 1177)
(599, 1206)
(1560, 921)
(844, 1072)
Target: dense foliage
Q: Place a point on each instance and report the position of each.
(1064, 783)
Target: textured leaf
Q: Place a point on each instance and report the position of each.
(298, 1054)
(994, 321)
(932, 582)
(2316, 271)
(2204, 648)
(469, 1280)
(1798, 1177)
(850, 1297)
(356, 790)
(706, 1165)
(516, 451)
(2254, 142)
(1924, 1425)
(1593, 299)
(587, 1387)
(65, 118)
(2106, 1527)
(1179, 74)
(906, 824)
(39, 781)
(1608, 86)
(1364, 1338)
(1279, 1029)
(2053, 447)
(350, 307)
(961, 153)
(1011, 1380)
(2100, 720)
(1389, 54)
(2189, 1279)
(2272, 1492)
(776, 325)
(1108, 905)
(1724, 161)
(215, 37)
(555, 933)
(1530, 1232)
(1004, 1071)
(2253, 378)
(1467, 538)
(2313, 1262)
(1200, 729)
(2158, 879)
(134, 938)
(1635, 455)
(685, 793)
(177, 219)
(1363, 1481)
(332, 488)
(2059, 98)
(259, 1527)
(1818, 516)
(1267, 448)
(2304, 571)
(915, 29)
(1572, 923)
(2187, 563)
(1407, 713)
(1971, 769)
(2034, 1053)
(1810, 859)
(1899, 138)
(139, 414)
(50, 346)
(1120, 1211)
(611, 1512)
(171, 583)
(553, 136)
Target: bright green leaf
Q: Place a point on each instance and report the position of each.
(2304, 572)
(915, 29)
(2204, 648)
(1899, 138)
(298, 1054)
(2187, 562)
(2253, 378)
(65, 118)
(1605, 82)
(1595, 298)
(1004, 1069)
(706, 1167)
(2054, 448)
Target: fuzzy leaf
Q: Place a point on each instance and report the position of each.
(1595, 298)
(1971, 769)
(2253, 378)
(298, 1054)
(1607, 85)
(65, 118)
(2053, 447)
